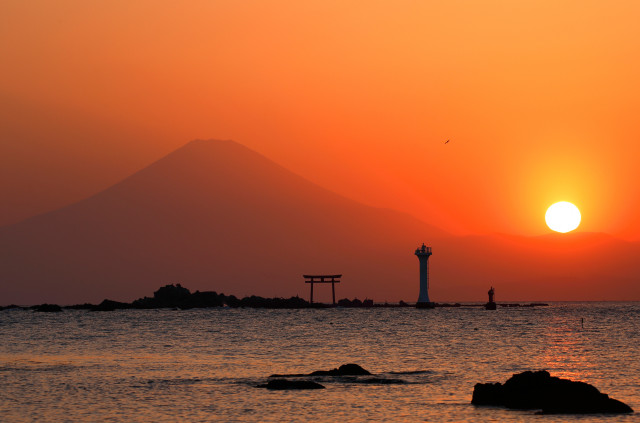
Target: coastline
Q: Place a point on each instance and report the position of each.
(179, 297)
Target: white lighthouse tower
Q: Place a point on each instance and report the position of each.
(423, 254)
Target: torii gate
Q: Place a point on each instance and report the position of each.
(323, 279)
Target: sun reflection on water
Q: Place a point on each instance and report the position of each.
(199, 365)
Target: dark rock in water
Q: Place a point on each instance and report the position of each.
(85, 306)
(282, 384)
(356, 303)
(178, 297)
(105, 305)
(379, 381)
(273, 303)
(206, 299)
(110, 305)
(232, 301)
(12, 306)
(345, 302)
(344, 370)
(168, 296)
(171, 293)
(490, 306)
(488, 394)
(47, 308)
(540, 391)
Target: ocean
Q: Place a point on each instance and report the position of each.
(204, 365)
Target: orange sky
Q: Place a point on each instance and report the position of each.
(539, 98)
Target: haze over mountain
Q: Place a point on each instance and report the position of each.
(51, 164)
(214, 215)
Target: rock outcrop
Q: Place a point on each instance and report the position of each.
(344, 370)
(552, 395)
(355, 303)
(47, 308)
(282, 384)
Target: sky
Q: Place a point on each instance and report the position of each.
(539, 100)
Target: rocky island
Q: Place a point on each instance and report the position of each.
(551, 395)
(176, 296)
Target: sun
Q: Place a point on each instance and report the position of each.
(563, 217)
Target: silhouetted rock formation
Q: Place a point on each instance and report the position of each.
(259, 302)
(85, 306)
(344, 370)
(47, 308)
(540, 391)
(168, 296)
(282, 384)
(345, 302)
(172, 293)
(347, 373)
(356, 303)
(109, 305)
(176, 296)
(206, 299)
(11, 307)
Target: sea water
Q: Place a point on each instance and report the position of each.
(204, 364)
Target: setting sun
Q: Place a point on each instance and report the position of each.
(563, 217)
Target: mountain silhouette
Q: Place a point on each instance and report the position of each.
(213, 215)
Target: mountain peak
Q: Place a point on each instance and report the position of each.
(212, 214)
(211, 145)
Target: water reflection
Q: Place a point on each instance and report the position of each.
(202, 365)
(567, 354)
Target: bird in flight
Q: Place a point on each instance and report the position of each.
(446, 142)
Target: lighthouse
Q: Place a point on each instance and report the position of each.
(423, 254)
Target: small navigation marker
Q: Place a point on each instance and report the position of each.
(491, 305)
